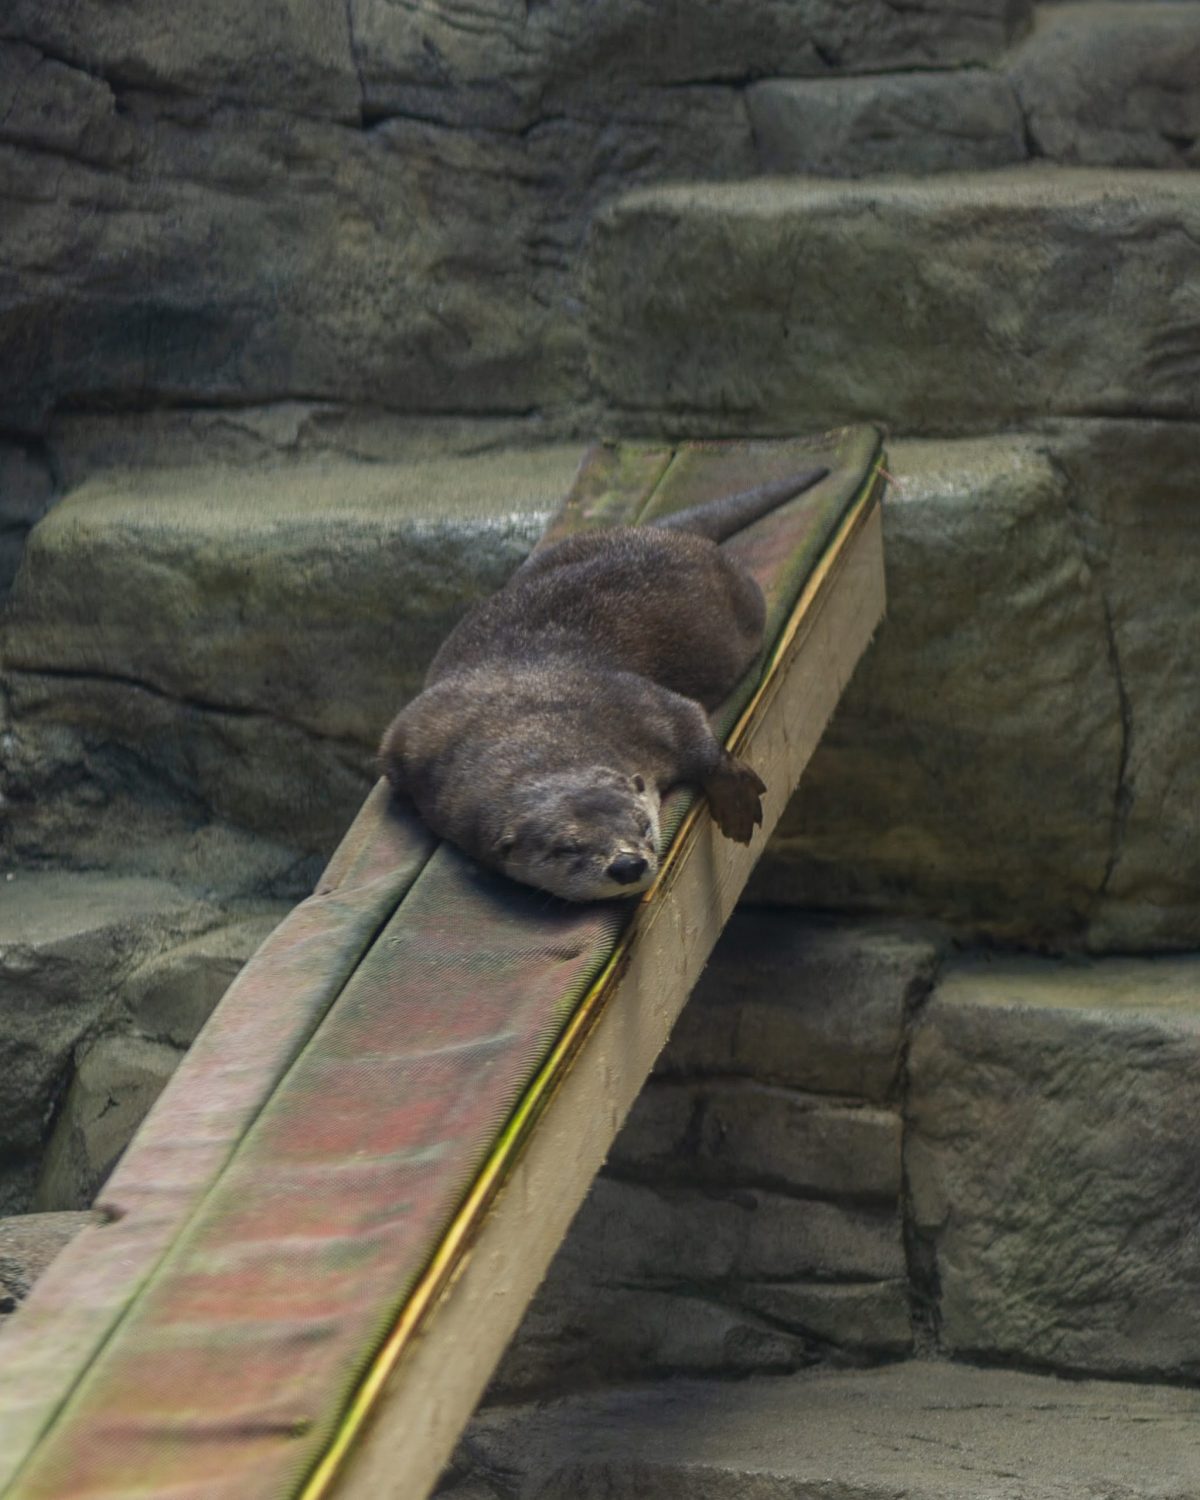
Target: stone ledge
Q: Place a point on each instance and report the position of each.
(965, 120)
(67, 944)
(1051, 1162)
(1108, 84)
(954, 303)
(924, 1430)
(243, 637)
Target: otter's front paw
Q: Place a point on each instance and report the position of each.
(733, 793)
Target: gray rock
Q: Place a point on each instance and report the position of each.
(172, 995)
(66, 944)
(923, 1430)
(1113, 84)
(949, 304)
(748, 1134)
(570, 1341)
(27, 490)
(1052, 1166)
(88, 445)
(630, 1234)
(294, 55)
(249, 256)
(660, 1277)
(906, 122)
(862, 1317)
(52, 106)
(741, 1225)
(1134, 486)
(795, 1001)
(523, 62)
(961, 776)
(259, 630)
(28, 1243)
(116, 1081)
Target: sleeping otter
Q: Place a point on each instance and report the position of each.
(558, 712)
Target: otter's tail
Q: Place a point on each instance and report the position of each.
(719, 519)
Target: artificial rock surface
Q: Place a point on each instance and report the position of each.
(922, 1430)
(958, 302)
(116, 1080)
(972, 765)
(861, 1140)
(750, 1214)
(1112, 84)
(1014, 751)
(241, 639)
(856, 127)
(67, 944)
(1051, 1161)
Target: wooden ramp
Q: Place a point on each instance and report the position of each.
(330, 1224)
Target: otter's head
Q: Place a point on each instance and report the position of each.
(584, 835)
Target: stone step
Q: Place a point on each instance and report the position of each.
(1094, 84)
(236, 640)
(1051, 1163)
(104, 979)
(924, 1430)
(954, 303)
(859, 1142)
(1011, 755)
(1106, 84)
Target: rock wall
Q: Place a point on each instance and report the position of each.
(306, 312)
(309, 244)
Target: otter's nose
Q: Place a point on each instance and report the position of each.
(627, 868)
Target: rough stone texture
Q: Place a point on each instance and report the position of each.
(1134, 487)
(921, 1430)
(741, 1133)
(1052, 1164)
(1113, 84)
(241, 256)
(28, 1243)
(117, 1079)
(66, 944)
(237, 641)
(27, 489)
(794, 1001)
(172, 994)
(88, 445)
(378, 204)
(972, 766)
(683, 1279)
(525, 62)
(907, 122)
(190, 251)
(289, 53)
(955, 303)
(741, 1225)
(1015, 749)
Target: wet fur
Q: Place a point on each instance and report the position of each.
(556, 714)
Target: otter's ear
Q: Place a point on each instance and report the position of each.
(506, 844)
(639, 782)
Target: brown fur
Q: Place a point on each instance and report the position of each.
(556, 715)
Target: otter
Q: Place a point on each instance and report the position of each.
(557, 714)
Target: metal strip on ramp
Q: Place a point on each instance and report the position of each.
(335, 1283)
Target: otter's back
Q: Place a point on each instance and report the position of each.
(666, 604)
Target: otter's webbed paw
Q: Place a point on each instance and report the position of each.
(733, 794)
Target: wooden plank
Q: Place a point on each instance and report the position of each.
(429, 1376)
(216, 1380)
